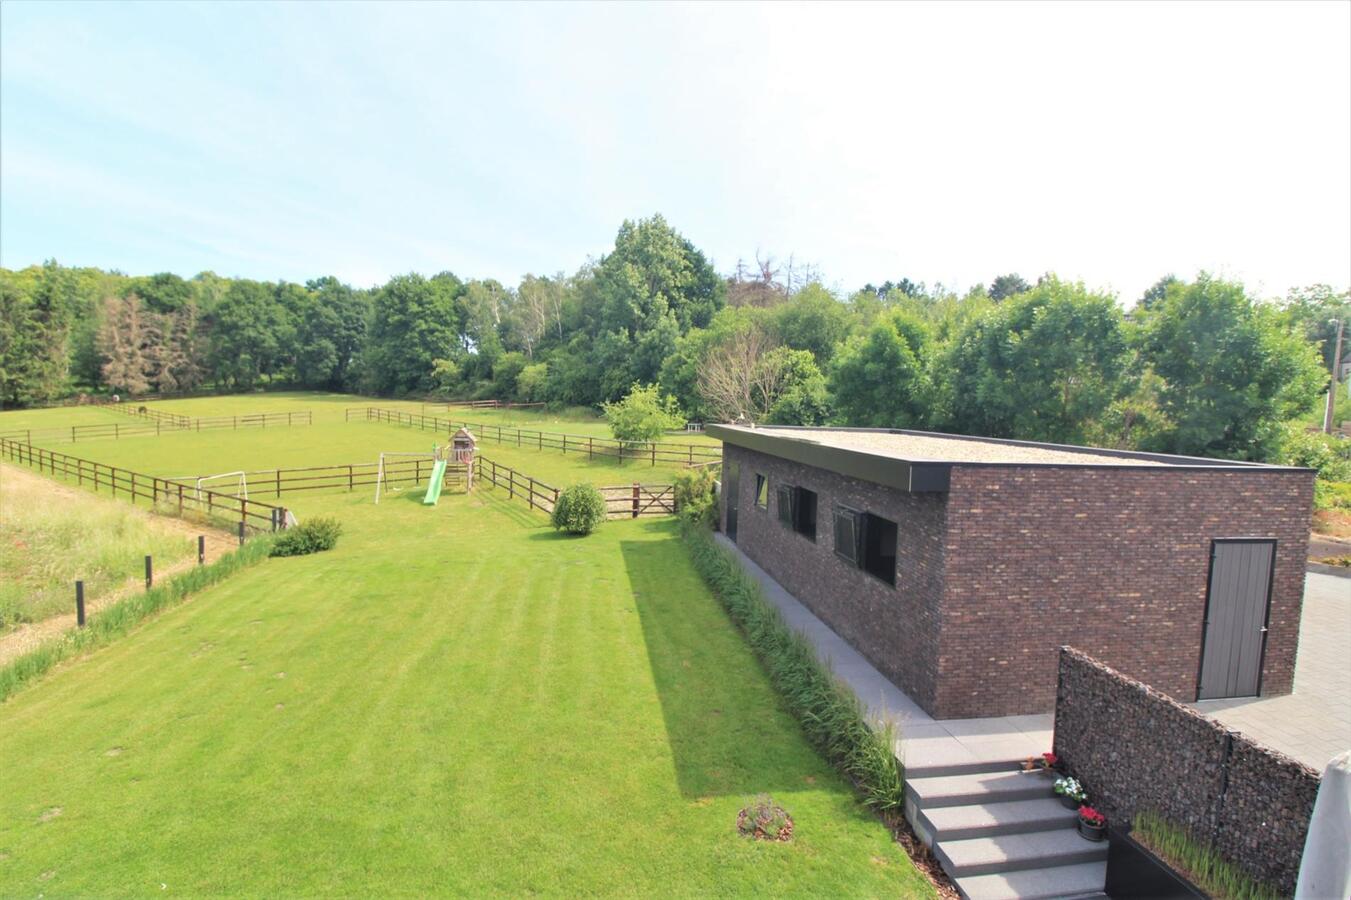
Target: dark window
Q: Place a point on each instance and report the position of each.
(879, 547)
(847, 534)
(804, 513)
(761, 491)
(866, 541)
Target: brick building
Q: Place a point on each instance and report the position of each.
(959, 565)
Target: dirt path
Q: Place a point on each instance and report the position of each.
(25, 637)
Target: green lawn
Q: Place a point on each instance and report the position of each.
(455, 701)
(331, 440)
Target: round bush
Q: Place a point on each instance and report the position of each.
(580, 509)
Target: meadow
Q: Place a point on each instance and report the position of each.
(456, 700)
(48, 542)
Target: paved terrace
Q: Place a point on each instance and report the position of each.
(1313, 724)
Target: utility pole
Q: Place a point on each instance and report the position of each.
(1332, 388)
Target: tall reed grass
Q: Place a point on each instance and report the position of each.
(1196, 860)
(830, 713)
(119, 618)
(46, 544)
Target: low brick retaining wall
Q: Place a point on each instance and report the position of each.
(1136, 749)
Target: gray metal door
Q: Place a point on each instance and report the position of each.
(731, 489)
(1236, 618)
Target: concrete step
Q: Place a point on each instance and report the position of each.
(1005, 853)
(1081, 880)
(956, 823)
(921, 762)
(975, 788)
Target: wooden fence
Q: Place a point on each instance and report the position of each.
(592, 447)
(491, 404)
(344, 476)
(164, 494)
(622, 501)
(119, 430)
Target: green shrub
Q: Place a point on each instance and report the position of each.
(694, 496)
(829, 712)
(643, 415)
(308, 537)
(580, 509)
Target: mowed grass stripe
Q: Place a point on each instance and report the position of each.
(471, 706)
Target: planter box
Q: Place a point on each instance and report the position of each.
(1133, 871)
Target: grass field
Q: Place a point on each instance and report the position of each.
(455, 701)
(47, 543)
(331, 440)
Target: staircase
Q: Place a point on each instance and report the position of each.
(1000, 833)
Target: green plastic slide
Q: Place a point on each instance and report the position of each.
(434, 488)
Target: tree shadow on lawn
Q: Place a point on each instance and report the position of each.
(728, 733)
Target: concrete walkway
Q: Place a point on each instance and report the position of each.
(1313, 724)
(924, 741)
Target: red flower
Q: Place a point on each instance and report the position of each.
(1050, 759)
(1091, 816)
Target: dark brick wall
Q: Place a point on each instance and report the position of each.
(1136, 749)
(1113, 561)
(896, 628)
(1014, 562)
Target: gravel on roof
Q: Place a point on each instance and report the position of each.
(938, 448)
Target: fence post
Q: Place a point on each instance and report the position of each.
(180, 499)
(149, 572)
(201, 549)
(241, 532)
(635, 499)
(279, 482)
(590, 448)
(79, 603)
(349, 477)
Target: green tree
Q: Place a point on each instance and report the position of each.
(1040, 366)
(803, 396)
(532, 382)
(415, 322)
(880, 378)
(643, 415)
(652, 271)
(1008, 286)
(812, 320)
(250, 335)
(1233, 370)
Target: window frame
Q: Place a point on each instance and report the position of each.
(860, 520)
(799, 508)
(761, 490)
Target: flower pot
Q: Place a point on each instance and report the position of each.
(1093, 833)
(1068, 802)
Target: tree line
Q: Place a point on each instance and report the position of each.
(1196, 366)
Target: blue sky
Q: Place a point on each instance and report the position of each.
(950, 143)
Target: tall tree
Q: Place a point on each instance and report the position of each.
(1232, 369)
(880, 378)
(414, 323)
(1008, 286)
(123, 339)
(1040, 366)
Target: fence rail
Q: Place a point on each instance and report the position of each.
(119, 430)
(344, 476)
(492, 404)
(165, 494)
(682, 454)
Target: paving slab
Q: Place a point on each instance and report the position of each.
(1312, 724)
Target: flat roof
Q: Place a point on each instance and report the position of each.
(922, 461)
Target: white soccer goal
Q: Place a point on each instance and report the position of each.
(207, 482)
